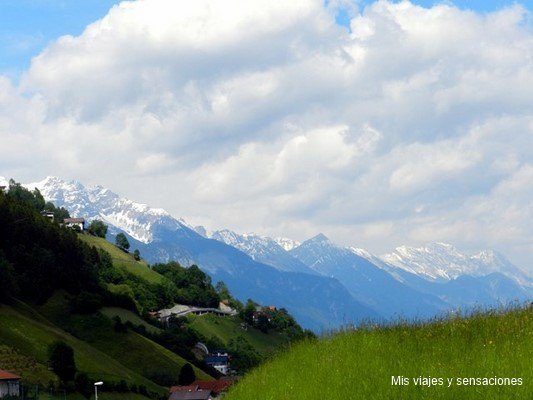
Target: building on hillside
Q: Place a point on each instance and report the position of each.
(184, 388)
(182, 310)
(48, 214)
(72, 222)
(219, 360)
(3, 189)
(9, 384)
(216, 387)
(264, 313)
(189, 394)
(224, 306)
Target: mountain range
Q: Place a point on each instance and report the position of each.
(322, 284)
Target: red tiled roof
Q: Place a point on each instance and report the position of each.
(73, 220)
(214, 386)
(7, 376)
(189, 388)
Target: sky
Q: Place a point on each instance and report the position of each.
(379, 124)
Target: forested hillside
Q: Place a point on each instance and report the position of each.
(64, 286)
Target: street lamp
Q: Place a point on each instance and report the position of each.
(96, 384)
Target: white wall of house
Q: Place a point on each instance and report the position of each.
(9, 387)
(71, 224)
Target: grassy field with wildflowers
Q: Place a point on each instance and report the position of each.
(362, 363)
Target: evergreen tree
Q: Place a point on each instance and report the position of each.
(7, 278)
(187, 375)
(122, 241)
(61, 360)
(98, 228)
(59, 213)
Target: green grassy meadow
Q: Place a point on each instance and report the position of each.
(128, 316)
(359, 364)
(123, 260)
(31, 338)
(227, 328)
(131, 349)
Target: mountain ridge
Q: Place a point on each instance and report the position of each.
(275, 268)
(319, 303)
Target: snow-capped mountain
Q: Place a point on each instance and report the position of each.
(286, 243)
(317, 302)
(262, 249)
(135, 219)
(443, 262)
(322, 284)
(366, 282)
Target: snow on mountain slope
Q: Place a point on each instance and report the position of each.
(367, 282)
(317, 302)
(262, 249)
(286, 243)
(443, 262)
(92, 202)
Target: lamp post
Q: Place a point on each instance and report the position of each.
(96, 384)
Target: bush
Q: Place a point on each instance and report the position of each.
(160, 376)
(118, 325)
(83, 384)
(86, 303)
(122, 241)
(98, 228)
(61, 361)
(187, 375)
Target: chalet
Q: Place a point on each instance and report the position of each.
(72, 222)
(9, 384)
(220, 360)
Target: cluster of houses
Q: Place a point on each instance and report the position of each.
(9, 384)
(200, 390)
(68, 222)
(261, 311)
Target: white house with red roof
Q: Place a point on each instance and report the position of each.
(9, 384)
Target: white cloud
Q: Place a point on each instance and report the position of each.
(415, 126)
